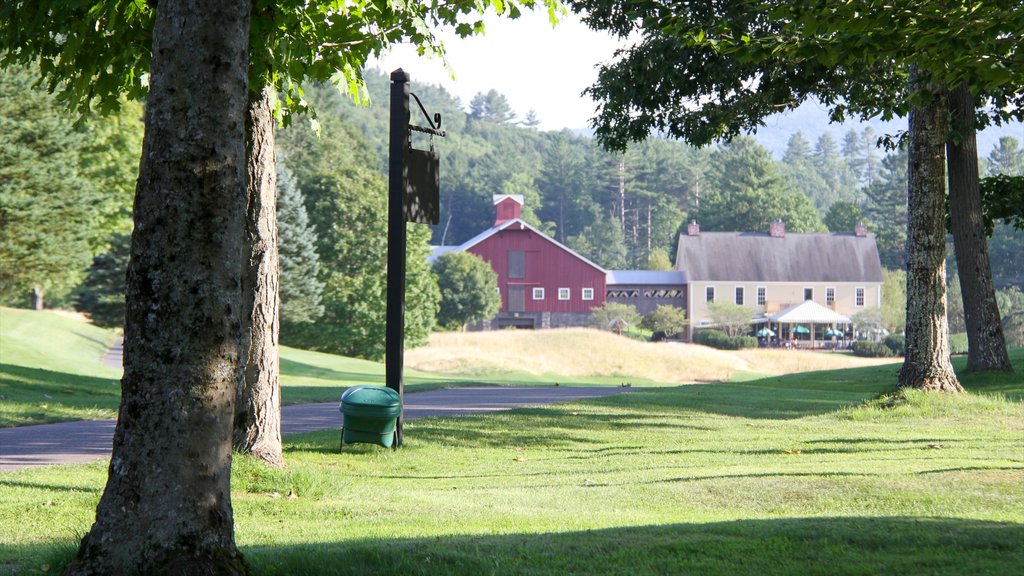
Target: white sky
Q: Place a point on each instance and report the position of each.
(534, 66)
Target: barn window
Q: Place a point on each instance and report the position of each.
(709, 294)
(563, 293)
(538, 293)
(516, 264)
(740, 292)
(762, 295)
(588, 293)
(858, 298)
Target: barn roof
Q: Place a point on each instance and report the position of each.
(645, 278)
(756, 256)
(515, 223)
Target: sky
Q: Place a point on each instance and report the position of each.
(535, 66)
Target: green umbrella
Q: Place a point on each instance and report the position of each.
(801, 329)
(765, 332)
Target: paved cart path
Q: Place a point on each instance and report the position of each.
(74, 442)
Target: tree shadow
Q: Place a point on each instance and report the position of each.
(827, 545)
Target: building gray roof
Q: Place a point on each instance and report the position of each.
(756, 256)
(645, 278)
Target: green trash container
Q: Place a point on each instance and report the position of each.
(370, 415)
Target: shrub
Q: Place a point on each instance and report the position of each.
(896, 343)
(722, 341)
(869, 349)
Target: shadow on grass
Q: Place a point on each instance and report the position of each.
(792, 546)
(898, 545)
(37, 396)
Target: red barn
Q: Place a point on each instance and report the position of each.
(543, 283)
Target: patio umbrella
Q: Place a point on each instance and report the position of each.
(801, 329)
(830, 333)
(765, 332)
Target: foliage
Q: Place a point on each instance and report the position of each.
(843, 217)
(347, 206)
(301, 287)
(869, 320)
(722, 341)
(886, 210)
(658, 260)
(93, 53)
(1011, 309)
(731, 318)
(894, 300)
(602, 242)
(747, 193)
(101, 295)
(871, 349)
(958, 343)
(669, 320)
(607, 317)
(897, 343)
(48, 208)
(469, 289)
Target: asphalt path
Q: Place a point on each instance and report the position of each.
(86, 441)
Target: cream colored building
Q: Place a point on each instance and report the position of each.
(768, 272)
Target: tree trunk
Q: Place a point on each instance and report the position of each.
(166, 508)
(986, 346)
(926, 365)
(38, 297)
(258, 413)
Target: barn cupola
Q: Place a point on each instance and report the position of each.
(507, 207)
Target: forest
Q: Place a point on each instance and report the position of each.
(66, 195)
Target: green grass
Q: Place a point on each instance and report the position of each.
(817, 473)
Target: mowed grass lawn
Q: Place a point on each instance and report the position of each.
(812, 473)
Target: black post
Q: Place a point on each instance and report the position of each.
(395, 329)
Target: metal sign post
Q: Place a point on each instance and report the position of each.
(413, 191)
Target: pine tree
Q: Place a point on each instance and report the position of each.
(301, 286)
(47, 207)
(886, 209)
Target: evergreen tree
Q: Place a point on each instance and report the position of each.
(602, 243)
(886, 209)
(468, 287)
(843, 217)
(491, 107)
(658, 260)
(800, 171)
(747, 193)
(101, 294)
(301, 286)
(1006, 158)
(48, 208)
(840, 181)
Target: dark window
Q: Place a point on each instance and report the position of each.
(762, 295)
(808, 293)
(709, 294)
(516, 264)
(739, 295)
(516, 298)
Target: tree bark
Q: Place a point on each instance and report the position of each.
(166, 507)
(986, 346)
(258, 413)
(926, 365)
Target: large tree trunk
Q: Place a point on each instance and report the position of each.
(166, 508)
(258, 414)
(926, 366)
(986, 346)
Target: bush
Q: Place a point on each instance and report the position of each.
(869, 349)
(722, 341)
(897, 344)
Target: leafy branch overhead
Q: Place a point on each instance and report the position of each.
(92, 53)
(708, 71)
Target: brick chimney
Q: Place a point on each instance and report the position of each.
(508, 207)
(693, 229)
(860, 230)
(777, 229)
